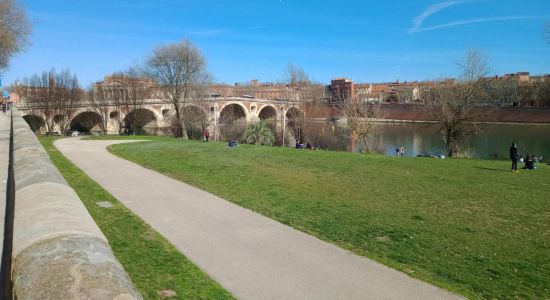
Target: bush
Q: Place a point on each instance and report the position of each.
(259, 134)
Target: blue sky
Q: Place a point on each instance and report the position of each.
(368, 41)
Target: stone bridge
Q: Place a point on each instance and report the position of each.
(153, 116)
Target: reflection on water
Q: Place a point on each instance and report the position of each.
(425, 138)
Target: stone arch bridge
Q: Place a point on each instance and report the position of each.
(154, 114)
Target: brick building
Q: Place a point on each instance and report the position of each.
(342, 89)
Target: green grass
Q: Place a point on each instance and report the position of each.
(151, 261)
(470, 226)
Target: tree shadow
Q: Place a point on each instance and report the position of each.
(491, 169)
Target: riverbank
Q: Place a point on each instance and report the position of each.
(466, 225)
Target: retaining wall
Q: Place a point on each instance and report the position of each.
(58, 250)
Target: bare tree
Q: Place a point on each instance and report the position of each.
(99, 101)
(197, 116)
(536, 93)
(180, 73)
(120, 98)
(502, 92)
(308, 100)
(14, 30)
(53, 96)
(311, 105)
(363, 121)
(460, 106)
(295, 76)
(134, 90)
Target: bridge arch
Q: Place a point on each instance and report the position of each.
(233, 120)
(85, 122)
(35, 122)
(114, 114)
(267, 112)
(141, 121)
(296, 122)
(195, 120)
(234, 106)
(293, 113)
(167, 112)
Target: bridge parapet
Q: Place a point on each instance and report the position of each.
(58, 250)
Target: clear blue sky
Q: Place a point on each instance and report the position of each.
(368, 41)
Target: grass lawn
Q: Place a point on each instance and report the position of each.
(152, 262)
(467, 225)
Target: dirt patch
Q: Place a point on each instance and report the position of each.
(167, 294)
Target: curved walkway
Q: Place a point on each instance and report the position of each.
(250, 255)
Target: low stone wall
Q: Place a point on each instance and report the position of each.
(58, 250)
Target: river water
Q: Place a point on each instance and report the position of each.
(426, 139)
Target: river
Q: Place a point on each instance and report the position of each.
(426, 139)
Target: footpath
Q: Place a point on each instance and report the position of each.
(250, 255)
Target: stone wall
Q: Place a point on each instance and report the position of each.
(58, 250)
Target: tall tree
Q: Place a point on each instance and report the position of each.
(51, 95)
(459, 106)
(295, 76)
(307, 97)
(14, 30)
(180, 73)
(98, 100)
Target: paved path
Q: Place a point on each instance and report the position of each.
(250, 255)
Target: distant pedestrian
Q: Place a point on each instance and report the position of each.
(514, 157)
(402, 151)
(396, 151)
(206, 135)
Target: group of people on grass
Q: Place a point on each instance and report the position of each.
(529, 161)
(308, 146)
(400, 151)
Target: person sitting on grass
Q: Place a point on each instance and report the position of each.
(232, 143)
(529, 163)
(299, 145)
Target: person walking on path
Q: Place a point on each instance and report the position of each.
(514, 157)
(206, 135)
(402, 151)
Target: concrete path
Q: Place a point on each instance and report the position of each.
(250, 255)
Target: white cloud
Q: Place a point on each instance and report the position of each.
(430, 10)
(478, 20)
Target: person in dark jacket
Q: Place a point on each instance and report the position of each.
(529, 162)
(514, 157)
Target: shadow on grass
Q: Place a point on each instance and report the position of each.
(492, 169)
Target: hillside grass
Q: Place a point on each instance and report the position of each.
(153, 264)
(470, 226)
